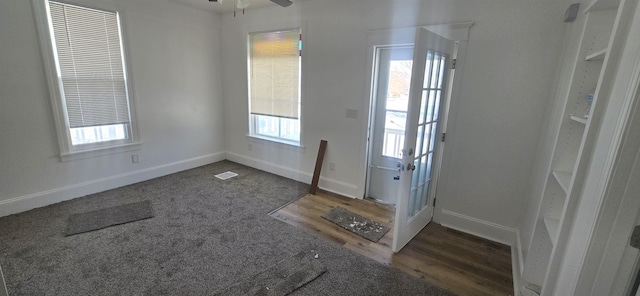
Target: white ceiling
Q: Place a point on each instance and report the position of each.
(225, 6)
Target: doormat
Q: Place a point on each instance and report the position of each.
(95, 220)
(357, 224)
(280, 279)
(226, 175)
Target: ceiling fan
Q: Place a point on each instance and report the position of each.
(283, 3)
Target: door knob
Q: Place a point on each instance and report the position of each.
(411, 167)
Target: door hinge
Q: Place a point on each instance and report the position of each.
(453, 63)
(434, 202)
(444, 135)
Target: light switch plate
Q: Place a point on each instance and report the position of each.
(352, 113)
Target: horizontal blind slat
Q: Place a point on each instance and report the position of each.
(274, 73)
(90, 63)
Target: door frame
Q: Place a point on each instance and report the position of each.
(457, 32)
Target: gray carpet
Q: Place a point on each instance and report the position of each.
(367, 228)
(3, 287)
(206, 235)
(281, 279)
(112, 216)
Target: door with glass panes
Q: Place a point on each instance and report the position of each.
(391, 97)
(421, 152)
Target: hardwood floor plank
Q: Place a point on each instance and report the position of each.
(452, 260)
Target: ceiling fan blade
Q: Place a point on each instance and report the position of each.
(283, 3)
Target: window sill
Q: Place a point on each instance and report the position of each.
(284, 144)
(75, 155)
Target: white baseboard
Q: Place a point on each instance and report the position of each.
(517, 264)
(328, 184)
(491, 231)
(45, 198)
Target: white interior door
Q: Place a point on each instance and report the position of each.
(422, 142)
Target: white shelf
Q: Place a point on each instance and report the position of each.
(602, 5)
(597, 55)
(564, 179)
(553, 226)
(578, 119)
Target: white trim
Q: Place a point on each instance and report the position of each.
(456, 31)
(328, 184)
(493, 232)
(520, 253)
(280, 143)
(583, 244)
(609, 267)
(46, 41)
(74, 155)
(40, 199)
(517, 263)
(484, 229)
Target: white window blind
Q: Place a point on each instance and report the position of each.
(90, 65)
(275, 73)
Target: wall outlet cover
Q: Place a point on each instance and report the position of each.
(352, 113)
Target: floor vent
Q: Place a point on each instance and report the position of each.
(226, 175)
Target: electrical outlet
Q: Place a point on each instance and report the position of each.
(352, 113)
(332, 166)
(134, 158)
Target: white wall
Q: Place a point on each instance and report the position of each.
(175, 60)
(512, 54)
(189, 71)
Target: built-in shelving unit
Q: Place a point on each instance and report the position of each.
(596, 56)
(564, 179)
(582, 98)
(578, 119)
(552, 225)
(602, 5)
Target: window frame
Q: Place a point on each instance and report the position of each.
(68, 151)
(252, 124)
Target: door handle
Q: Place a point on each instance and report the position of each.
(411, 167)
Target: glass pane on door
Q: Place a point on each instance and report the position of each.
(432, 93)
(396, 106)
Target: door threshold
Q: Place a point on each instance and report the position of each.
(380, 201)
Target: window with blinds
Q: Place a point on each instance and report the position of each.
(274, 84)
(91, 73)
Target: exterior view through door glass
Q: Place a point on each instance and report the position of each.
(393, 71)
(421, 148)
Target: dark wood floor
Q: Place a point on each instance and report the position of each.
(455, 261)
